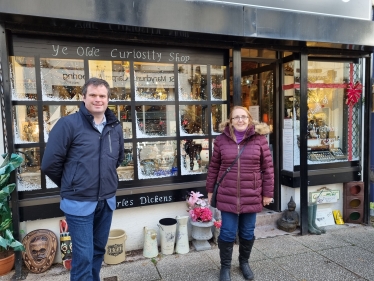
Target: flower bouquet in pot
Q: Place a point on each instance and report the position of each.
(198, 208)
(201, 220)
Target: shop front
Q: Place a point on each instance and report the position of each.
(174, 75)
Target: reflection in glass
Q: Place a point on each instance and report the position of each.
(52, 113)
(126, 170)
(116, 73)
(154, 81)
(218, 82)
(219, 115)
(26, 127)
(193, 119)
(194, 156)
(28, 176)
(157, 159)
(22, 78)
(62, 79)
(123, 113)
(155, 121)
(192, 80)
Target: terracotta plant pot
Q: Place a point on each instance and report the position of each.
(6, 264)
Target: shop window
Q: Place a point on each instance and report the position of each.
(157, 159)
(333, 132)
(218, 82)
(62, 79)
(117, 74)
(154, 81)
(194, 119)
(219, 115)
(168, 133)
(126, 169)
(22, 78)
(193, 82)
(155, 120)
(26, 125)
(52, 113)
(194, 156)
(28, 176)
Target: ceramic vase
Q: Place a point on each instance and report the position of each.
(182, 243)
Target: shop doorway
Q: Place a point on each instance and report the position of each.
(258, 79)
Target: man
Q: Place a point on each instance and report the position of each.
(84, 149)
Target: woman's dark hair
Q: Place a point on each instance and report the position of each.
(95, 82)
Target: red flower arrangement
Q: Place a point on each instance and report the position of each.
(198, 208)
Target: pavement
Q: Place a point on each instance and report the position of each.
(345, 252)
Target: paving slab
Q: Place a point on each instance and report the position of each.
(312, 266)
(280, 246)
(183, 265)
(354, 259)
(321, 242)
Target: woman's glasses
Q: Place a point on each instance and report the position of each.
(237, 118)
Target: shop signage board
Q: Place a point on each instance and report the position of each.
(358, 9)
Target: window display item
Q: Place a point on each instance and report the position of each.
(338, 154)
(41, 246)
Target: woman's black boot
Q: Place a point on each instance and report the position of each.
(225, 254)
(245, 248)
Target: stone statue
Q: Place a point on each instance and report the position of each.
(40, 245)
(290, 218)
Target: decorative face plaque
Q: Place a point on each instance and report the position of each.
(40, 245)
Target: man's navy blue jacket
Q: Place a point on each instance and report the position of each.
(82, 161)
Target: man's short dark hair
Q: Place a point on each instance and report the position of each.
(95, 82)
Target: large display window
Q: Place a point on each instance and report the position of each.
(334, 121)
(170, 103)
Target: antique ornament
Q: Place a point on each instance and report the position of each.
(40, 245)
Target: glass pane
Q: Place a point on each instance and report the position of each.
(154, 81)
(194, 120)
(123, 113)
(52, 113)
(62, 79)
(26, 127)
(194, 156)
(22, 78)
(333, 132)
(116, 73)
(157, 159)
(155, 121)
(267, 98)
(291, 124)
(126, 169)
(218, 82)
(192, 81)
(28, 176)
(219, 115)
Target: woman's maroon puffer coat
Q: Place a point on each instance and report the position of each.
(252, 176)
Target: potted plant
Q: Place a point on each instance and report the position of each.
(7, 242)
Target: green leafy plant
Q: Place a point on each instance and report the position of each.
(7, 242)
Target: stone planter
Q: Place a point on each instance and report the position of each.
(201, 232)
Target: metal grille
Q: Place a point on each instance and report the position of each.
(356, 145)
(2, 99)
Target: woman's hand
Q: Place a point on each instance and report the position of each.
(267, 200)
(209, 197)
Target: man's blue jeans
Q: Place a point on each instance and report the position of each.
(232, 223)
(89, 235)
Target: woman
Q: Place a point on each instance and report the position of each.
(247, 187)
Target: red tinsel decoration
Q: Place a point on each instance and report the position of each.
(353, 93)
